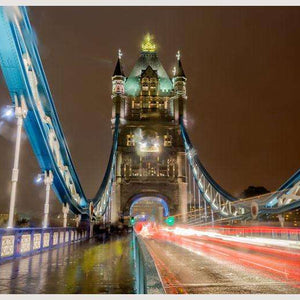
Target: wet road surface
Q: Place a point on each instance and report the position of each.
(89, 267)
(200, 270)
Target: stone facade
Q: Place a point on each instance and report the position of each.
(150, 156)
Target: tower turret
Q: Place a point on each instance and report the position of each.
(179, 85)
(179, 79)
(118, 89)
(118, 78)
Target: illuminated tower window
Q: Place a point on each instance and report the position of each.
(153, 86)
(149, 82)
(118, 87)
(167, 140)
(145, 86)
(130, 140)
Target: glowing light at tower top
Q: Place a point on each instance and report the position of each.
(148, 44)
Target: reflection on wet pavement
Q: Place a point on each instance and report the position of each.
(205, 273)
(89, 267)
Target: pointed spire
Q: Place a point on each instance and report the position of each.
(174, 71)
(179, 69)
(120, 54)
(118, 69)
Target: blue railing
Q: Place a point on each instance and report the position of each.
(148, 280)
(19, 242)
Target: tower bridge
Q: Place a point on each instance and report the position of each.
(153, 172)
(150, 153)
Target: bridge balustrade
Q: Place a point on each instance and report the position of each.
(19, 242)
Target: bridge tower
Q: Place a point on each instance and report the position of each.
(150, 160)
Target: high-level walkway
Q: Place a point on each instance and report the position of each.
(94, 266)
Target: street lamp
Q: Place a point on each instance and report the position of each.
(47, 177)
(20, 114)
(39, 178)
(7, 112)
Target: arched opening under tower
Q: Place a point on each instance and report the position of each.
(149, 208)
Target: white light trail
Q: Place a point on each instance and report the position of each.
(246, 240)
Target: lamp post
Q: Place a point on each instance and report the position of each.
(78, 219)
(20, 114)
(48, 179)
(65, 210)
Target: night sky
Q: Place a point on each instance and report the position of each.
(243, 70)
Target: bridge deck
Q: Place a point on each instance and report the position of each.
(88, 267)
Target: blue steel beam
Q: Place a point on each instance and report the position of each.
(273, 201)
(103, 194)
(270, 204)
(25, 78)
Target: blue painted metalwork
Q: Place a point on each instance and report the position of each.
(189, 146)
(25, 78)
(103, 195)
(287, 185)
(280, 209)
(270, 203)
(148, 280)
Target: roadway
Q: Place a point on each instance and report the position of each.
(205, 265)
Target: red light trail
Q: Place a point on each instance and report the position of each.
(265, 255)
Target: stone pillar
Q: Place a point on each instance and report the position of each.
(65, 210)
(160, 215)
(176, 109)
(205, 209)
(281, 220)
(182, 107)
(119, 165)
(77, 220)
(183, 197)
(115, 204)
(116, 200)
(182, 186)
(181, 166)
(91, 228)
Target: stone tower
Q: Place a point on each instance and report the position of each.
(151, 166)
